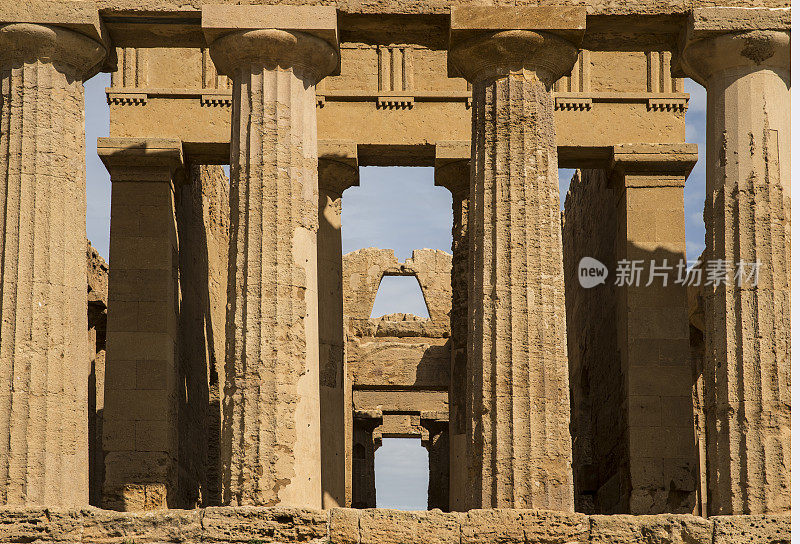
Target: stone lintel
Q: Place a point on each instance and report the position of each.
(338, 164)
(344, 151)
(470, 21)
(428, 417)
(665, 164)
(711, 21)
(141, 159)
(452, 151)
(319, 21)
(80, 16)
(447, 174)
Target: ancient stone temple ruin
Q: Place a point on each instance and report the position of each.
(236, 388)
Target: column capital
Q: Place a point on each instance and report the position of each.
(141, 159)
(717, 40)
(451, 166)
(68, 50)
(304, 38)
(337, 165)
(493, 41)
(663, 165)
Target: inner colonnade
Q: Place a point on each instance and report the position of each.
(280, 391)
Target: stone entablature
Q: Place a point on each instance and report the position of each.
(399, 126)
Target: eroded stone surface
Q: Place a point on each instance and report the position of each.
(250, 525)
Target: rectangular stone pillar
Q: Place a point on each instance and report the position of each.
(338, 170)
(439, 460)
(44, 365)
(653, 329)
(364, 446)
(142, 389)
(271, 423)
(453, 172)
(517, 409)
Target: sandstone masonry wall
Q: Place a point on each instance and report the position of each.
(598, 425)
(97, 310)
(375, 526)
(202, 214)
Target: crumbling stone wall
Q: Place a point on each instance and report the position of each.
(363, 269)
(598, 424)
(97, 310)
(202, 215)
(247, 525)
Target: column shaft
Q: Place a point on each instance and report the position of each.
(271, 422)
(44, 365)
(517, 408)
(334, 177)
(747, 361)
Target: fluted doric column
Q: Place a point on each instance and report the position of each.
(271, 418)
(747, 356)
(517, 408)
(44, 366)
(338, 170)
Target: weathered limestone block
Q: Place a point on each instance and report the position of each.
(518, 441)
(97, 302)
(518, 526)
(660, 529)
(363, 456)
(343, 526)
(108, 527)
(742, 58)
(400, 362)
(338, 170)
(268, 525)
(600, 455)
(757, 529)
(271, 432)
(380, 526)
(43, 364)
(40, 525)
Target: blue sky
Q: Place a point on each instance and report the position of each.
(399, 209)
